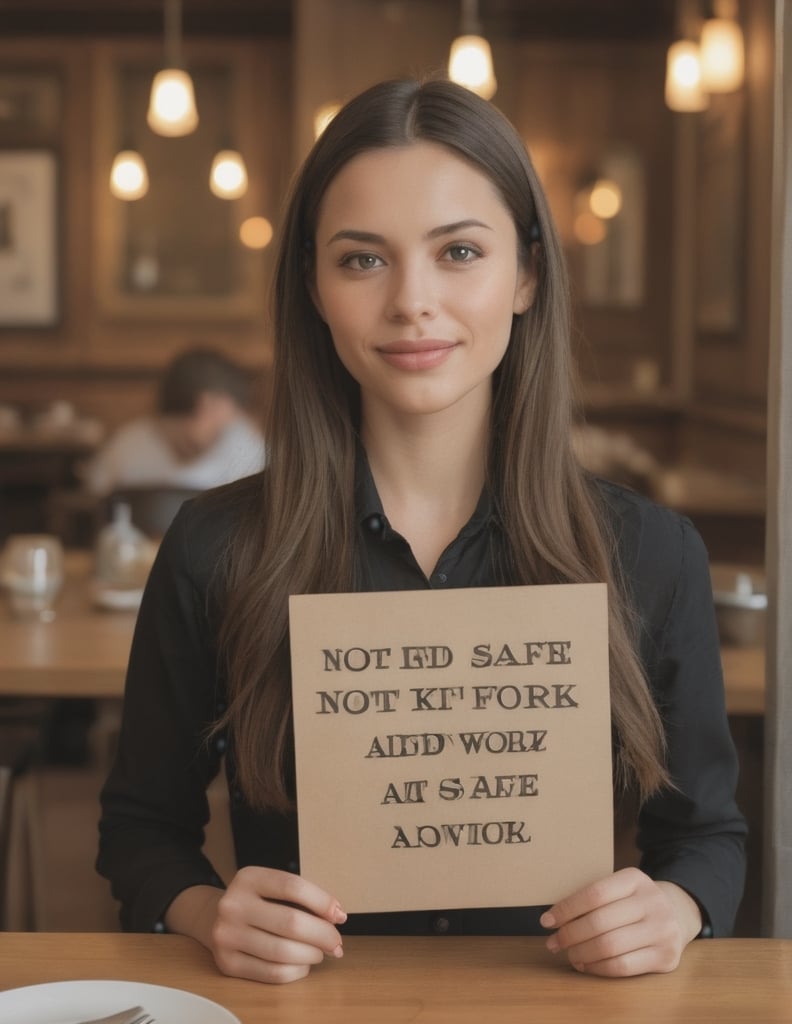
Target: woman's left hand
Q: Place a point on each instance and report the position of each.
(623, 925)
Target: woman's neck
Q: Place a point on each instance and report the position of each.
(429, 473)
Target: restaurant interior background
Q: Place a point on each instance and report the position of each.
(671, 294)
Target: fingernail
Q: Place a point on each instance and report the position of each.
(338, 914)
(547, 920)
(338, 952)
(580, 967)
(552, 944)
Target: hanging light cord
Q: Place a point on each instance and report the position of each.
(173, 33)
(470, 20)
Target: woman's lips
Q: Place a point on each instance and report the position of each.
(417, 355)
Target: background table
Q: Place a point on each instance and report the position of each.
(744, 679)
(442, 980)
(82, 653)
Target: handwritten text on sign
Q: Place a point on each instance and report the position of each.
(453, 747)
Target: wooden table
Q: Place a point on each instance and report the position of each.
(439, 980)
(82, 653)
(744, 679)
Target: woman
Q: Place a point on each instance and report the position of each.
(419, 437)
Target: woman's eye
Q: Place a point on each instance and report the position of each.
(361, 261)
(461, 253)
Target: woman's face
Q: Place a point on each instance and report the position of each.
(418, 277)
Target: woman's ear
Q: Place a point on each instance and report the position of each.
(525, 292)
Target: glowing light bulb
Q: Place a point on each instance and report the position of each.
(683, 89)
(470, 64)
(172, 109)
(605, 199)
(722, 55)
(128, 176)
(255, 232)
(323, 116)
(228, 177)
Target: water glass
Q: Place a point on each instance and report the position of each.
(31, 570)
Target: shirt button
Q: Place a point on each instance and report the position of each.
(375, 524)
(293, 866)
(440, 925)
(441, 577)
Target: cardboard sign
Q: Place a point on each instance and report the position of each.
(453, 747)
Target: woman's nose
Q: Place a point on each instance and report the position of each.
(412, 296)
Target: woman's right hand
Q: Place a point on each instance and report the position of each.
(267, 926)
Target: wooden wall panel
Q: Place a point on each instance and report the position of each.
(777, 909)
(736, 367)
(567, 97)
(575, 104)
(343, 47)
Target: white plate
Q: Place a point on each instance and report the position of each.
(67, 1002)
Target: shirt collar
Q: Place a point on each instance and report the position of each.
(368, 503)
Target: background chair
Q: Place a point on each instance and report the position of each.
(21, 730)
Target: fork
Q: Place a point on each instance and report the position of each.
(134, 1015)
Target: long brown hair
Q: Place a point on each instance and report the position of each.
(300, 537)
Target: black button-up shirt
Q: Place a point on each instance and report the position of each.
(154, 802)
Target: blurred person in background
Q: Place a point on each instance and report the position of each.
(199, 436)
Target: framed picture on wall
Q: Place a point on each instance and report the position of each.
(28, 238)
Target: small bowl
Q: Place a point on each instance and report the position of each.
(740, 595)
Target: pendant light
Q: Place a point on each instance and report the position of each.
(128, 176)
(470, 60)
(172, 110)
(722, 50)
(323, 115)
(255, 232)
(605, 198)
(683, 85)
(228, 177)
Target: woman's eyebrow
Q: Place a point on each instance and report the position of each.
(458, 225)
(351, 235)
